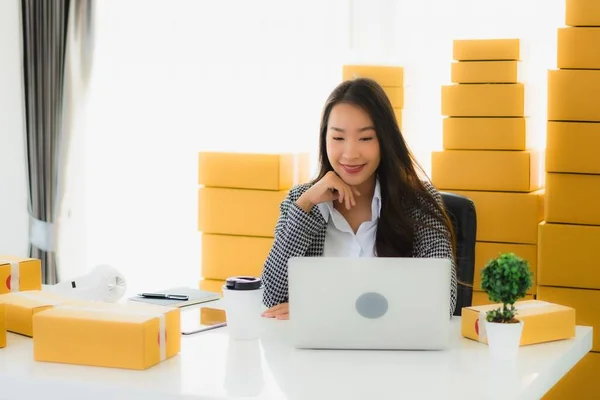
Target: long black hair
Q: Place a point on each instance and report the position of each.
(401, 186)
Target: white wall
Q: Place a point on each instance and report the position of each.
(13, 192)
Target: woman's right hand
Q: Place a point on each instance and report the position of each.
(329, 188)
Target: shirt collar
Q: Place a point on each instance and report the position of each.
(326, 208)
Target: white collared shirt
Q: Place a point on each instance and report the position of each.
(340, 240)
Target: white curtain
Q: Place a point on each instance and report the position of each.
(172, 78)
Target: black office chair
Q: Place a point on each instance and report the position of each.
(461, 211)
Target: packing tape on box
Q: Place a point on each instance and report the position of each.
(102, 283)
(14, 274)
(162, 336)
(482, 316)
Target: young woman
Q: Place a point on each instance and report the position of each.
(367, 201)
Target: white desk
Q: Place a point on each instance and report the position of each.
(211, 367)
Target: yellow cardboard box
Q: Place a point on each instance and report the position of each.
(485, 134)
(396, 95)
(212, 285)
(383, 74)
(252, 171)
(227, 255)
(582, 13)
(22, 306)
(572, 198)
(484, 100)
(573, 147)
(584, 301)
(132, 336)
(503, 171)
(17, 274)
(486, 49)
(485, 72)
(243, 212)
(480, 298)
(573, 95)
(581, 382)
(507, 217)
(485, 251)
(2, 325)
(543, 321)
(578, 48)
(567, 256)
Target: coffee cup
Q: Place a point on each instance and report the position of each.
(243, 296)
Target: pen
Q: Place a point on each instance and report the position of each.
(208, 328)
(165, 296)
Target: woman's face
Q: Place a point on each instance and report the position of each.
(352, 145)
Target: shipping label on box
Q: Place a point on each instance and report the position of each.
(20, 308)
(131, 336)
(542, 321)
(19, 274)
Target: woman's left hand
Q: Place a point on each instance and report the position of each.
(280, 311)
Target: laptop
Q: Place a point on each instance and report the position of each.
(370, 303)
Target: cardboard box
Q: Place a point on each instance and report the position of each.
(2, 325)
(578, 48)
(226, 255)
(584, 301)
(543, 321)
(19, 274)
(252, 171)
(573, 95)
(484, 100)
(582, 13)
(581, 382)
(396, 95)
(485, 134)
(507, 217)
(485, 72)
(131, 336)
(481, 298)
(382, 74)
(573, 147)
(485, 251)
(503, 171)
(239, 211)
(22, 306)
(568, 256)
(486, 49)
(572, 198)
(212, 285)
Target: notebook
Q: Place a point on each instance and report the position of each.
(195, 297)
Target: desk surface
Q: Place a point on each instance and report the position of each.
(210, 366)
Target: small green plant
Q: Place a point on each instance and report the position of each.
(506, 279)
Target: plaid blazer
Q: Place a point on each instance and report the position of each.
(302, 234)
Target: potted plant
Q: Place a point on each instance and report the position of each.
(505, 279)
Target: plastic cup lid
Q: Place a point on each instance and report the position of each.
(243, 283)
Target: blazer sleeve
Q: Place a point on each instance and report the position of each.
(432, 239)
(294, 232)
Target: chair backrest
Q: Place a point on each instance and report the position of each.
(461, 211)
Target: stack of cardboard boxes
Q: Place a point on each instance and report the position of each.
(568, 263)
(238, 208)
(390, 78)
(487, 154)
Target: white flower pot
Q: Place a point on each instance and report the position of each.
(504, 339)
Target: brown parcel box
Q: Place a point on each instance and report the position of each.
(468, 133)
(484, 100)
(573, 95)
(578, 48)
(2, 325)
(543, 321)
(485, 72)
(486, 49)
(572, 198)
(573, 147)
(582, 13)
(19, 274)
